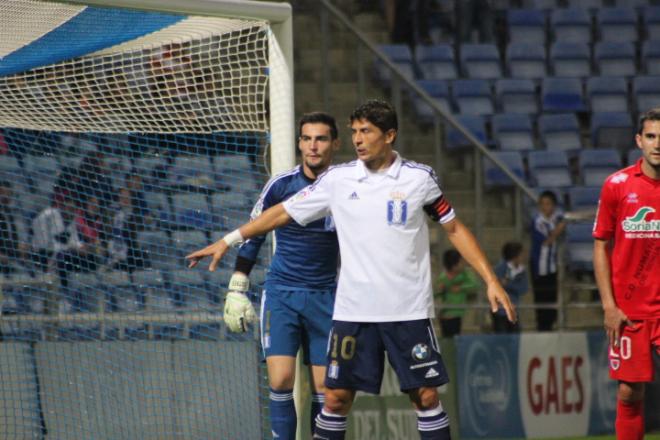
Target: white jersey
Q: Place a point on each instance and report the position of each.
(383, 236)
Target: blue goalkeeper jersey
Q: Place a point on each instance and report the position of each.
(304, 256)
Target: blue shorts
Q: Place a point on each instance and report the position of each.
(356, 355)
(295, 317)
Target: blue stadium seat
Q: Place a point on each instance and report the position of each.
(235, 172)
(544, 5)
(646, 91)
(473, 97)
(596, 164)
(584, 197)
(633, 155)
(617, 24)
(592, 5)
(579, 246)
(196, 171)
(152, 169)
(156, 244)
(525, 60)
(570, 59)
(651, 16)
(562, 95)
(571, 25)
(81, 291)
(516, 96)
(480, 61)
(439, 90)
(607, 94)
(637, 4)
(159, 207)
(186, 284)
(512, 131)
(191, 210)
(560, 132)
(474, 124)
(526, 26)
(615, 58)
(549, 168)
(10, 169)
(400, 55)
(184, 241)
(495, 177)
(651, 57)
(612, 130)
(436, 61)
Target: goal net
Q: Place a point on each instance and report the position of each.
(128, 138)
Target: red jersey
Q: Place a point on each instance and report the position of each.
(629, 213)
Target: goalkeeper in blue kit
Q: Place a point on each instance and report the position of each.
(298, 299)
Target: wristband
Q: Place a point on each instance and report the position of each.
(233, 238)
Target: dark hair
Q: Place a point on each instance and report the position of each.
(550, 195)
(651, 115)
(511, 250)
(379, 113)
(5, 184)
(318, 118)
(451, 258)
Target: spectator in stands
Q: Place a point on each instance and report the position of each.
(88, 223)
(140, 209)
(123, 250)
(513, 275)
(547, 225)
(93, 181)
(12, 250)
(457, 284)
(475, 14)
(408, 21)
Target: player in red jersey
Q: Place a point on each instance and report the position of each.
(626, 257)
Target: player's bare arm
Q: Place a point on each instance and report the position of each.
(465, 242)
(614, 318)
(273, 218)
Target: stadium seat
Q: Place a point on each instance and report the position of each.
(152, 169)
(579, 246)
(474, 124)
(549, 168)
(646, 91)
(570, 59)
(480, 61)
(156, 244)
(186, 284)
(516, 96)
(617, 24)
(637, 4)
(10, 169)
(633, 155)
(562, 95)
(571, 25)
(81, 291)
(436, 62)
(194, 171)
(401, 56)
(525, 60)
(191, 210)
(147, 284)
(439, 90)
(607, 94)
(651, 57)
(560, 132)
(512, 131)
(583, 197)
(596, 164)
(526, 26)
(184, 241)
(235, 172)
(159, 207)
(544, 5)
(651, 16)
(495, 177)
(612, 130)
(473, 97)
(615, 58)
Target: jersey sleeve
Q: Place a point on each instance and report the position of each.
(312, 202)
(605, 223)
(436, 205)
(250, 248)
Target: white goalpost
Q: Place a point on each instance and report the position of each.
(145, 128)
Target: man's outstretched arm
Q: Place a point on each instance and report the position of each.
(273, 218)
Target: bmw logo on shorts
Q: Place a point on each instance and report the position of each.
(420, 352)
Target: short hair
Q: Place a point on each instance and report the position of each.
(511, 250)
(379, 113)
(319, 118)
(651, 115)
(451, 258)
(550, 195)
(5, 184)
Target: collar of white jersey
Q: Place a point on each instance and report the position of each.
(392, 171)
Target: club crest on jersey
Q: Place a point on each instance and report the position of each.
(333, 370)
(420, 352)
(397, 209)
(615, 364)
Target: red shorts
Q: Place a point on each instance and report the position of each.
(632, 360)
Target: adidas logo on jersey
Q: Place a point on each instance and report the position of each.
(431, 373)
(354, 196)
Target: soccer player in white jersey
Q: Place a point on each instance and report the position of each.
(384, 299)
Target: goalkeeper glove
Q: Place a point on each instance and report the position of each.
(239, 311)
